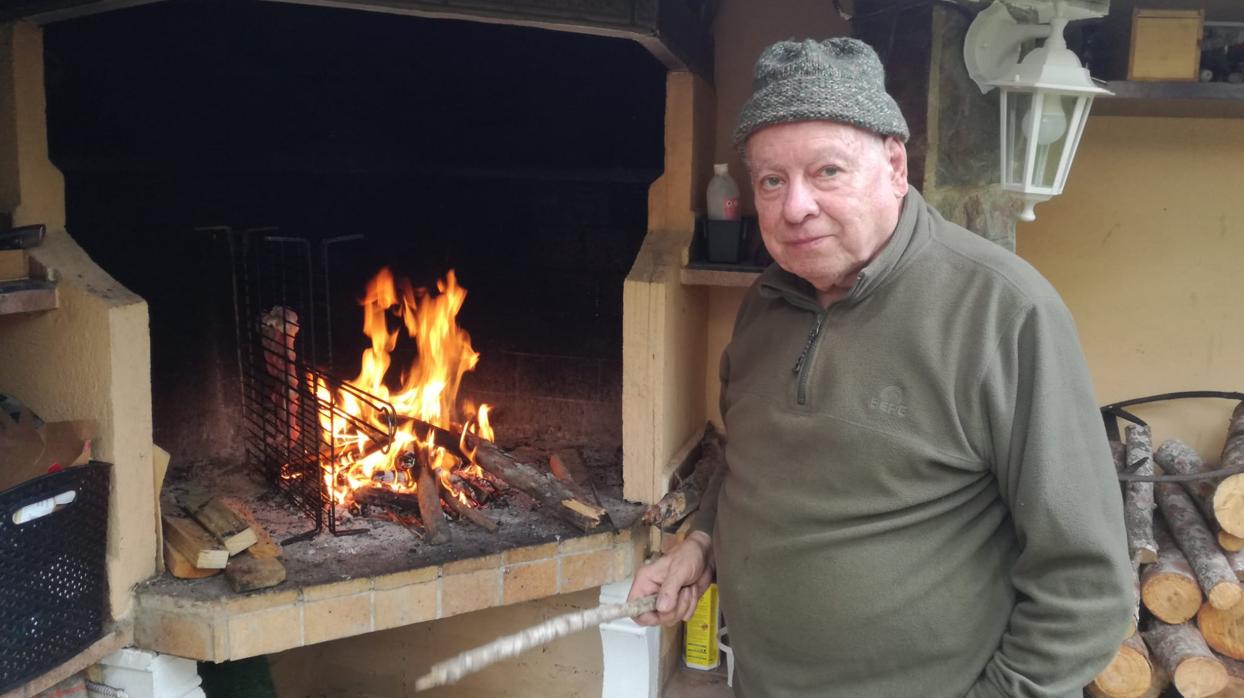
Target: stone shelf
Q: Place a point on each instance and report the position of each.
(1186, 99)
(205, 621)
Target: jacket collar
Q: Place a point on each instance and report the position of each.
(909, 234)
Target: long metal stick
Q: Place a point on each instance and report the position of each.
(471, 661)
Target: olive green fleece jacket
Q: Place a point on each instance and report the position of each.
(918, 499)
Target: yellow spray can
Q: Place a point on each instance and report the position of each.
(700, 633)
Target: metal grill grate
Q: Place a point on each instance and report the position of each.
(287, 408)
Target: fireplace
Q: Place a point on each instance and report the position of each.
(535, 189)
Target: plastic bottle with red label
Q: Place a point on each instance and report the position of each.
(723, 195)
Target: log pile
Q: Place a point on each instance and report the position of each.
(1185, 528)
(220, 535)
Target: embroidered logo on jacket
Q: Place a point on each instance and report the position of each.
(889, 401)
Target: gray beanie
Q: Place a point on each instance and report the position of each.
(833, 80)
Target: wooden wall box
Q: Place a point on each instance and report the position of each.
(1166, 45)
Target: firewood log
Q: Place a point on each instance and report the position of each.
(1138, 503)
(1168, 587)
(540, 485)
(1230, 543)
(1223, 629)
(429, 496)
(1183, 654)
(1129, 674)
(1229, 497)
(1214, 574)
(1158, 683)
(1235, 678)
(684, 500)
(1220, 499)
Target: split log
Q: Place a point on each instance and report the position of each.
(1183, 654)
(1129, 674)
(1188, 529)
(684, 500)
(1221, 500)
(1138, 502)
(541, 486)
(259, 566)
(1223, 629)
(1168, 587)
(195, 543)
(181, 568)
(264, 545)
(219, 520)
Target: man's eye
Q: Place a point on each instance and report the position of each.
(829, 171)
(770, 182)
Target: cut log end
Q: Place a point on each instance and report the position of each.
(1226, 595)
(1198, 677)
(1129, 674)
(1223, 630)
(1230, 543)
(1229, 505)
(1146, 554)
(1173, 598)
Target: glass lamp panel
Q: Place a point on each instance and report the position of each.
(1053, 114)
(1014, 142)
(1075, 129)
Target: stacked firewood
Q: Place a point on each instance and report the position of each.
(1185, 532)
(219, 534)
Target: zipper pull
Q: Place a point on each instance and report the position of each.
(807, 346)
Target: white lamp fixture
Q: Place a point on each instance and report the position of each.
(1045, 97)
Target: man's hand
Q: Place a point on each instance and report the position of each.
(678, 578)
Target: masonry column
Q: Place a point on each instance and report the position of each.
(32, 190)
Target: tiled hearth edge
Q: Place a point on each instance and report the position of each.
(247, 625)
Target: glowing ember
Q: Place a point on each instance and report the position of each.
(428, 392)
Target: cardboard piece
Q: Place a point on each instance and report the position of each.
(28, 451)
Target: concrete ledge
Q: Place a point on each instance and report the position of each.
(237, 626)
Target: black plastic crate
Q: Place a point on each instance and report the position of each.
(53, 584)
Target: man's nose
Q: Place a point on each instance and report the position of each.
(799, 204)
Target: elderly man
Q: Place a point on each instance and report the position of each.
(919, 499)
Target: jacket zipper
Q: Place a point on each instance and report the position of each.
(805, 357)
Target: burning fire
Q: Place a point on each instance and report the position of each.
(428, 393)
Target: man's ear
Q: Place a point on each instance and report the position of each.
(896, 155)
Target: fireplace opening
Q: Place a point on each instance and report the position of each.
(519, 158)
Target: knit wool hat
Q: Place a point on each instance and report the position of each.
(833, 80)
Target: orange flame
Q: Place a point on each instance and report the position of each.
(428, 392)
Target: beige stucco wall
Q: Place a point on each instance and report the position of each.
(91, 357)
(32, 190)
(387, 663)
(1145, 246)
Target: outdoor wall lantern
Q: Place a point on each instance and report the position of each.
(1045, 97)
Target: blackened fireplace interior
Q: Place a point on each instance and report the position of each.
(518, 157)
